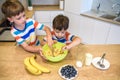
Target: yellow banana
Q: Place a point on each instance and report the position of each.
(38, 66)
(35, 73)
(31, 68)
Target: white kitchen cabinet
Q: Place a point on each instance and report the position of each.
(42, 16)
(86, 29)
(100, 32)
(81, 26)
(94, 31)
(90, 30)
(77, 6)
(114, 35)
(53, 14)
(72, 6)
(73, 23)
(46, 17)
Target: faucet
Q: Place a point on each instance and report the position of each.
(98, 8)
(118, 11)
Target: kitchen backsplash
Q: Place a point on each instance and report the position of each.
(106, 6)
(45, 2)
(34, 2)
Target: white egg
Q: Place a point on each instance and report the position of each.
(78, 63)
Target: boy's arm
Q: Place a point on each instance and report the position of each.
(36, 49)
(46, 29)
(48, 35)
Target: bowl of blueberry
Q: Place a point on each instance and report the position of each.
(68, 72)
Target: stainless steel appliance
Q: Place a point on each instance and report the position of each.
(5, 35)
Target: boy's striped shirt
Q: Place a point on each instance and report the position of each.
(27, 35)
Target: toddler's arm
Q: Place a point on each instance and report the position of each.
(75, 41)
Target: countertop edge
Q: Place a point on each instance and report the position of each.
(94, 15)
(46, 8)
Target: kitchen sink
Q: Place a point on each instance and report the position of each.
(110, 17)
(117, 19)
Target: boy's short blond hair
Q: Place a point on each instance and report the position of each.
(12, 8)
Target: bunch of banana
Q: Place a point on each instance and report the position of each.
(33, 67)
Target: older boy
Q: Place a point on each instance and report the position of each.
(22, 29)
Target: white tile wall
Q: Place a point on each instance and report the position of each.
(106, 5)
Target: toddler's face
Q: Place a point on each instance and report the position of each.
(60, 34)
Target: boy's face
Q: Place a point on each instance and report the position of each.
(59, 34)
(19, 20)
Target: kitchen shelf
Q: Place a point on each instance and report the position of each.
(46, 7)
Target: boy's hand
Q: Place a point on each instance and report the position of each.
(48, 35)
(49, 41)
(41, 54)
(66, 47)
